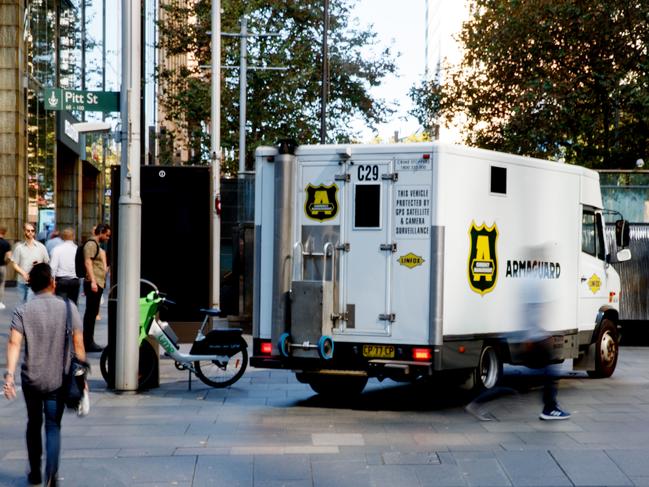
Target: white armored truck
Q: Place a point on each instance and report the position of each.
(403, 261)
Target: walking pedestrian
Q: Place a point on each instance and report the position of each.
(26, 254)
(94, 284)
(54, 241)
(41, 323)
(63, 267)
(5, 256)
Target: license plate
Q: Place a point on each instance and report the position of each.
(378, 351)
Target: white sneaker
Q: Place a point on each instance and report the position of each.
(2, 306)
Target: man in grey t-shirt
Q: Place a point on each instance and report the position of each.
(41, 323)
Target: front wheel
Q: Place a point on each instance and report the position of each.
(147, 367)
(606, 351)
(223, 373)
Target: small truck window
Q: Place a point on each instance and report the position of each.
(498, 180)
(367, 206)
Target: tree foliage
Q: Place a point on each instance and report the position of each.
(555, 79)
(279, 103)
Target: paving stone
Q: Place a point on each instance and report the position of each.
(226, 471)
(634, 463)
(590, 468)
(410, 458)
(281, 468)
(337, 439)
(532, 468)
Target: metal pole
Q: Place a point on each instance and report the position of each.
(83, 50)
(215, 149)
(130, 205)
(325, 74)
(104, 138)
(243, 88)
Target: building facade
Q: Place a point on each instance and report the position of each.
(45, 176)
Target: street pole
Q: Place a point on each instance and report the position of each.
(325, 73)
(243, 88)
(215, 150)
(130, 205)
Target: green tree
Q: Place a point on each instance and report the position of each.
(280, 103)
(555, 79)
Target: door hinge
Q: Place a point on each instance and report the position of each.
(392, 247)
(345, 247)
(391, 317)
(344, 316)
(392, 177)
(342, 177)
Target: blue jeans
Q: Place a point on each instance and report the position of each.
(51, 406)
(25, 292)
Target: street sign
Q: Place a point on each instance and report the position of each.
(82, 101)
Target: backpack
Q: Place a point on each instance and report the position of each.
(80, 261)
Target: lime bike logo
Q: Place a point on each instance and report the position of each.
(321, 202)
(483, 260)
(166, 344)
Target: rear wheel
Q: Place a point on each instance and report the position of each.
(223, 373)
(490, 368)
(606, 350)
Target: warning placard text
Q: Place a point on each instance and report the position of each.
(412, 212)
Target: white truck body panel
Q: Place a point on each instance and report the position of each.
(460, 251)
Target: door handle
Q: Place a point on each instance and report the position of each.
(584, 279)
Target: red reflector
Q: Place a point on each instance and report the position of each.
(421, 353)
(426, 156)
(266, 348)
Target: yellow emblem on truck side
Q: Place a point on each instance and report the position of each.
(483, 261)
(321, 202)
(594, 283)
(410, 260)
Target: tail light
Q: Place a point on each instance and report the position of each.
(266, 348)
(421, 354)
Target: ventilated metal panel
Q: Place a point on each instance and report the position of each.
(634, 274)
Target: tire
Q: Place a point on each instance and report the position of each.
(489, 370)
(606, 350)
(335, 385)
(147, 366)
(216, 374)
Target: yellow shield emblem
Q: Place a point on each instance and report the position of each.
(483, 259)
(321, 202)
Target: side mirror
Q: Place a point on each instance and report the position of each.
(622, 234)
(623, 255)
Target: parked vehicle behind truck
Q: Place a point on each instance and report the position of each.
(402, 261)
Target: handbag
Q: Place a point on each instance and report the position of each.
(74, 380)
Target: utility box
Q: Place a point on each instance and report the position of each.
(176, 239)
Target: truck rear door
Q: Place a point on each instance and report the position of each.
(367, 263)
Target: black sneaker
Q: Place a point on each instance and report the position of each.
(554, 414)
(34, 478)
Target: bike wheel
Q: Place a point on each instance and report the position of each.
(147, 366)
(216, 373)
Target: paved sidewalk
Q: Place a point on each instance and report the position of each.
(269, 430)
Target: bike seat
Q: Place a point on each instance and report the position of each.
(211, 311)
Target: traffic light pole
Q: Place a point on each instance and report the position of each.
(130, 205)
(215, 151)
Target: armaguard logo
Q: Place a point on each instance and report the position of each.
(410, 260)
(483, 261)
(321, 202)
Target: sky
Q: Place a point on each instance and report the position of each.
(398, 24)
(401, 25)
